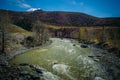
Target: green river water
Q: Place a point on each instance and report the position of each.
(63, 61)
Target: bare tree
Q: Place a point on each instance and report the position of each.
(38, 30)
(46, 35)
(103, 34)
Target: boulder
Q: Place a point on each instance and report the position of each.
(91, 56)
(84, 46)
(105, 46)
(23, 64)
(31, 66)
(74, 45)
(98, 56)
(24, 73)
(96, 59)
(39, 71)
(35, 77)
(4, 63)
(99, 45)
(98, 78)
(114, 49)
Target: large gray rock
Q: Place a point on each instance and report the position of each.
(84, 46)
(24, 73)
(35, 76)
(98, 78)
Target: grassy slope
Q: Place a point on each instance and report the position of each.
(16, 29)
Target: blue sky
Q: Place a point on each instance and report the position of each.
(98, 8)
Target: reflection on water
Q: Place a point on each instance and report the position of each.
(63, 61)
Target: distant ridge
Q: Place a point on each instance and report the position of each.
(60, 18)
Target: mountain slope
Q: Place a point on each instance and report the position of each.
(26, 19)
(16, 29)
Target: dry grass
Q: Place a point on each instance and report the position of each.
(95, 33)
(16, 29)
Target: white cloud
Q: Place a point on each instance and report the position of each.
(33, 9)
(24, 5)
(20, 3)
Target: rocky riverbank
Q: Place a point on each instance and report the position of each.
(12, 72)
(107, 56)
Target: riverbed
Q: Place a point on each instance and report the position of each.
(64, 59)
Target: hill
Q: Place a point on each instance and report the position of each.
(58, 18)
(16, 29)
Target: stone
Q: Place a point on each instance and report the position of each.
(74, 45)
(91, 56)
(35, 77)
(4, 63)
(98, 56)
(23, 73)
(32, 66)
(28, 77)
(84, 46)
(97, 60)
(112, 49)
(100, 43)
(104, 53)
(98, 78)
(39, 71)
(18, 68)
(23, 64)
(15, 79)
(105, 46)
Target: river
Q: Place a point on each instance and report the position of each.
(64, 59)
